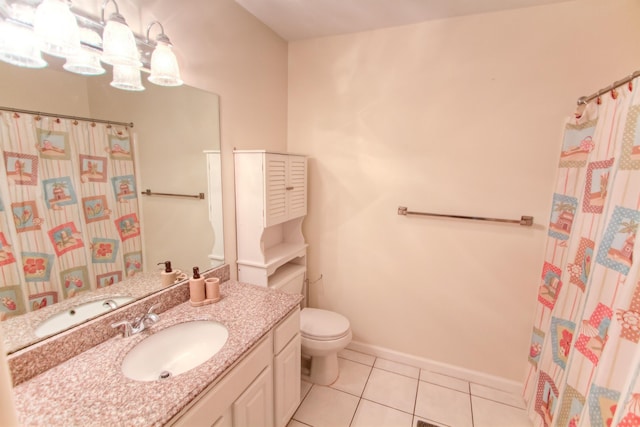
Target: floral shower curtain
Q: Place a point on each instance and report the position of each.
(68, 210)
(584, 357)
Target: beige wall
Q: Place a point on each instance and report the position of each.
(43, 90)
(460, 116)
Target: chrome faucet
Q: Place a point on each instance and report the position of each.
(139, 324)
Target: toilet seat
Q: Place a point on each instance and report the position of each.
(323, 325)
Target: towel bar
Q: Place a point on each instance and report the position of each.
(524, 220)
(148, 192)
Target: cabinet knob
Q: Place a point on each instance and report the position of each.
(289, 188)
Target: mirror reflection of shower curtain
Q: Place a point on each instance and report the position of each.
(584, 356)
(68, 210)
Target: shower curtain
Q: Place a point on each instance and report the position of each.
(69, 216)
(584, 356)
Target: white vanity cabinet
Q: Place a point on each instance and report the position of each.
(271, 202)
(286, 369)
(261, 390)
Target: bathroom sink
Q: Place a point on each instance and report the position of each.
(78, 314)
(174, 350)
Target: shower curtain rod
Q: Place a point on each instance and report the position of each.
(62, 116)
(586, 99)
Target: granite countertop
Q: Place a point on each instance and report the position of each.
(90, 388)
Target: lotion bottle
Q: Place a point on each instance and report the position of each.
(196, 287)
(168, 275)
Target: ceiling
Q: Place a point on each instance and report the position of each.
(303, 19)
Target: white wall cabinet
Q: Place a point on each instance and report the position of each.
(253, 393)
(285, 195)
(271, 202)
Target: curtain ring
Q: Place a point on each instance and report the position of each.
(93, 124)
(38, 118)
(614, 94)
(599, 101)
(75, 122)
(630, 86)
(57, 120)
(16, 115)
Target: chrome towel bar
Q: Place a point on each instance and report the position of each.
(148, 192)
(524, 220)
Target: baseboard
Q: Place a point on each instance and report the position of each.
(470, 375)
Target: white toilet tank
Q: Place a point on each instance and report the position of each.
(292, 283)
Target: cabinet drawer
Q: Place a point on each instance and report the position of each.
(286, 330)
(211, 404)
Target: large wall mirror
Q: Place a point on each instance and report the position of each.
(177, 143)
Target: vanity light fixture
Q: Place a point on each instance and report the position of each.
(126, 78)
(18, 42)
(164, 65)
(87, 60)
(118, 44)
(57, 28)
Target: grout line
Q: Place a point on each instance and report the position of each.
(359, 352)
(355, 361)
(353, 417)
(398, 373)
(471, 406)
(415, 400)
(445, 386)
(303, 398)
(501, 403)
(368, 378)
(387, 406)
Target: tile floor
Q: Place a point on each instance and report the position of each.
(373, 392)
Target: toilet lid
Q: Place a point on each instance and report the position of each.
(323, 324)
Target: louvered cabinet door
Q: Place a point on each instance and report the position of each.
(275, 209)
(297, 186)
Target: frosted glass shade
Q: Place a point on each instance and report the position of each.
(164, 66)
(56, 29)
(119, 45)
(19, 46)
(127, 78)
(87, 60)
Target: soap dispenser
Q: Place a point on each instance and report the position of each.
(168, 275)
(196, 288)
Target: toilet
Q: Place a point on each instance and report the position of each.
(323, 334)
